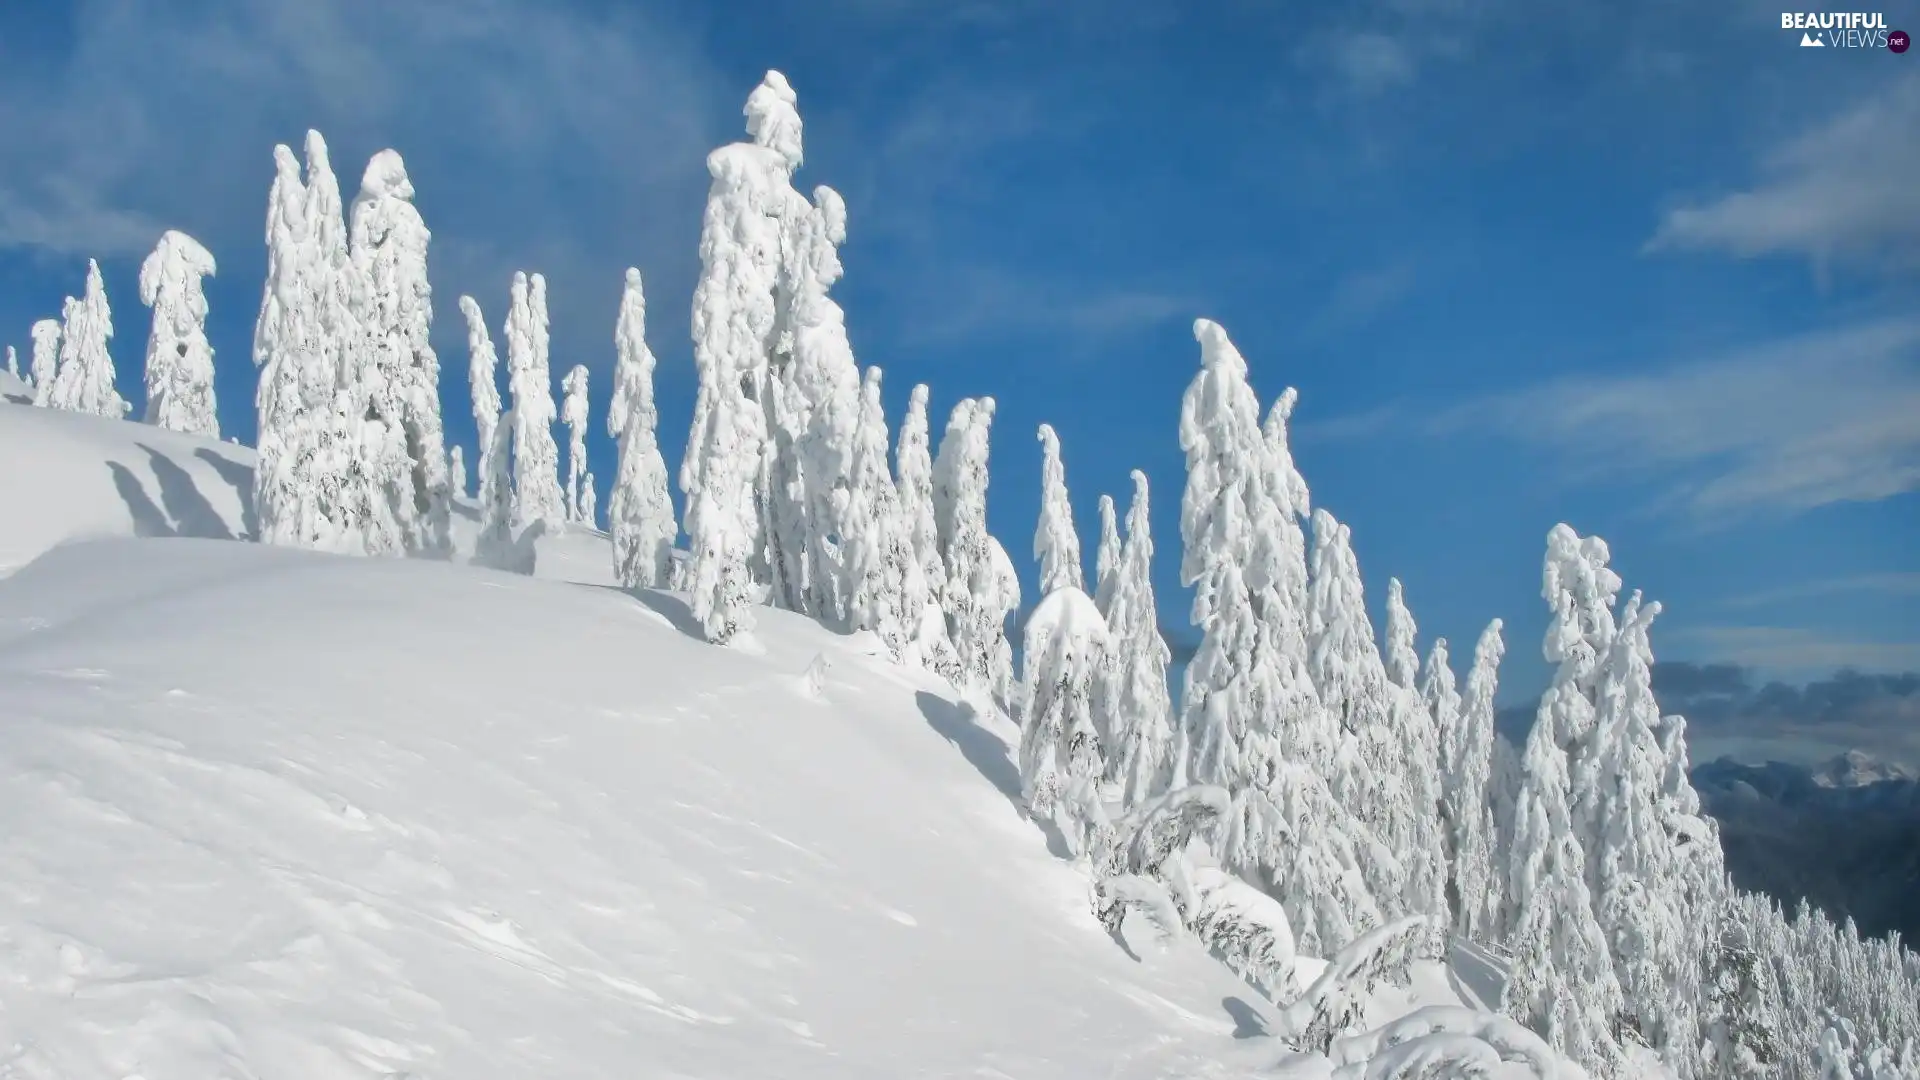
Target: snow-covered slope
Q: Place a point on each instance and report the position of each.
(65, 476)
(281, 814)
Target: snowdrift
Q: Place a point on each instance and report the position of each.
(272, 813)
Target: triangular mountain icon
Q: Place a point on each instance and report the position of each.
(1808, 41)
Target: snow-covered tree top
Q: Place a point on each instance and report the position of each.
(1055, 542)
(178, 258)
(1289, 488)
(1066, 619)
(1580, 589)
(773, 118)
(386, 177)
(1403, 662)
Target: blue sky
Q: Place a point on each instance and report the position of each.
(1649, 267)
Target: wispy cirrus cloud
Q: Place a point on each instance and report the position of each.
(1844, 189)
(1775, 429)
(1890, 584)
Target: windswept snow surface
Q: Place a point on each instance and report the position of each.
(275, 813)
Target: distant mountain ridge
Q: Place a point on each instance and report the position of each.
(1844, 834)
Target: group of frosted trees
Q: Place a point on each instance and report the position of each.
(71, 367)
(1318, 790)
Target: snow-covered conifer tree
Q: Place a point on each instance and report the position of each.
(1135, 710)
(921, 593)
(589, 503)
(979, 594)
(389, 250)
(573, 413)
(1056, 545)
(735, 317)
(639, 514)
(875, 548)
(13, 362)
(1563, 983)
(820, 407)
(1061, 760)
(457, 471)
(536, 460)
(179, 359)
(1742, 1016)
(1467, 806)
(499, 545)
(1247, 698)
(1370, 770)
(1106, 557)
(46, 359)
(1418, 721)
(482, 382)
(84, 381)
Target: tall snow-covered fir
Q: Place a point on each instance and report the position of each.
(483, 385)
(1467, 807)
(388, 241)
(179, 359)
(980, 590)
(84, 380)
(1134, 708)
(537, 496)
(46, 359)
(639, 513)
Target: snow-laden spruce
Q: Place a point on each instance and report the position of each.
(389, 250)
(1247, 695)
(46, 359)
(482, 384)
(179, 359)
(1369, 774)
(1056, 544)
(735, 316)
(875, 549)
(639, 513)
(499, 545)
(13, 362)
(980, 590)
(921, 595)
(324, 458)
(536, 460)
(824, 404)
(1134, 708)
(83, 382)
(457, 471)
(1061, 764)
(1467, 805)
(574, 411)
(1418, 719)
(1562, 981)
(1106, 556)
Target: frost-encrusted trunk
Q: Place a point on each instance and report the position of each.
(179, 359)
(536, 459)
(401, 371)
(83, 382)
(639, 513)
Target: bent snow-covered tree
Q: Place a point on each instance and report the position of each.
(179, 359)
(980, 589)
(639, 514)
(84, 381)
(1136, 709)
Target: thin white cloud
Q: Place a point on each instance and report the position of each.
(1780, 651)
(1372, 63)
(1891, 584)
(1783, 428)
(1844, 189)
